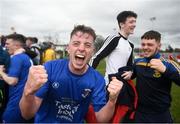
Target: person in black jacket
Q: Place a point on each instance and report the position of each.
(154, 77)
(4, 61)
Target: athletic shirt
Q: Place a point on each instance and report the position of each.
(19, 68)
(118, 58)
(153, 87)
(66, 96)
(117, 50)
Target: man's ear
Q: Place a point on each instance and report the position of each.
(67, 49)
(121, 25)
(159, 47)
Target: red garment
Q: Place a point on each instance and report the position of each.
(120, 110)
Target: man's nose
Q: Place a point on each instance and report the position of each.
(81, 47)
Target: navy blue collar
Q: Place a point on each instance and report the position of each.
(156, 56)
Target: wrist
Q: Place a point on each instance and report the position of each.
(112, 100)
(1, 74)
(27, 90)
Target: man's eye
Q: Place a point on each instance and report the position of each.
(88, 45)
(142, 44)
(75, 43)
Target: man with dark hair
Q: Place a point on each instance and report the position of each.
(62, 90)
(154, 77)
(117, 49)
(16, 76)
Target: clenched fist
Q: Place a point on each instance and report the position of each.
(114, 88)
(36, 78)
(157, 65)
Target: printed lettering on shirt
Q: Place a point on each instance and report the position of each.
(66, 110)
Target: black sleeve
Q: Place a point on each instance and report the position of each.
(30, 53)
(134, 71)
(106, 51)
(130, 60)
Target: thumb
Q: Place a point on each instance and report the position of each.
(113, 78)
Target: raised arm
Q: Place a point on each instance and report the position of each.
(29, 103)
(9, 80)
(106, 113)
(170, 69)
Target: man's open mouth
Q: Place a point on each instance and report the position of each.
(80, 57)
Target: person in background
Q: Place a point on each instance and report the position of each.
(49, 53)
(4, 63)
(154, 77)
(16, 77)
(62, 90)
(117, 48)
(32, 44)
(118, 52)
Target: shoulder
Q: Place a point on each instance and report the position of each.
(139, 60)
(95, 74)
(35, 46)
(56, 64)
(112, 37)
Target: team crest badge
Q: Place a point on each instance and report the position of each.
(86, 93)
(55, 85)
(156, 74)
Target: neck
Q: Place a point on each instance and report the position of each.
(124, 34)
(18, 51)
(78, 71)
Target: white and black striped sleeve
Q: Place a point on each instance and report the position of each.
(109, 45)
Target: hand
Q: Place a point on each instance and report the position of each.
(2, 69)
(157, 65)
(127, 75)
(114, 88)
(36, 78)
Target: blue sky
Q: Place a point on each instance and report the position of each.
(42, 18)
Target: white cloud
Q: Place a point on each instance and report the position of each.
(51, 17)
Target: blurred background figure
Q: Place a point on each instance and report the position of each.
(15, 77)
(32, 44)
(49, 52)
(4, 62)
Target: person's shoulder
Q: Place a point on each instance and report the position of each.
(112, 36)
(140, 59)
(35, 45)
(95, 72)
(171, 62)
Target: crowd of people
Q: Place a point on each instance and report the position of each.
(37, 87)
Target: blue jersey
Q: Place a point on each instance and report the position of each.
(19, 68)
(153, 87)
(66, 96)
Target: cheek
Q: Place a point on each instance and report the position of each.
(90, 52)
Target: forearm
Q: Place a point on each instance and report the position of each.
(29, 104)
(26, 106)
(7, 79)
(106, 113)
